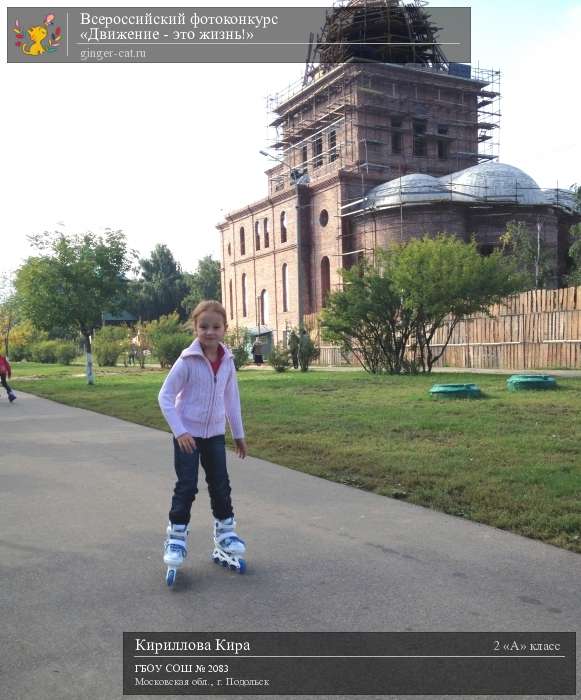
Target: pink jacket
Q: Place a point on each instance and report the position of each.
(194, 400)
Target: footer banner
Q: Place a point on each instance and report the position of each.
(349, 663)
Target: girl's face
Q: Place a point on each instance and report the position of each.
(210, 329)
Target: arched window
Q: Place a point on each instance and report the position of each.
(285, 287)
(263, 311)
(242, 241)
(257, 234)
(325, 280)
(231, 302)
(283, 227)
(244, 294)
(266, 238)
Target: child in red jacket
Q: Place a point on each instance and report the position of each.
(6, 370)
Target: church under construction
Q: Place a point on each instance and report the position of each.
(375, 146)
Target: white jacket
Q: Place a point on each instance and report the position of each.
(194, 400)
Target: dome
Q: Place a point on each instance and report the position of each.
(496, 182)
(564, 199)
(409, 189)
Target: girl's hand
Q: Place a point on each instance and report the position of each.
(187, 443)
(241, 449)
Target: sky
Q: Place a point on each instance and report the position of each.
(164, 151)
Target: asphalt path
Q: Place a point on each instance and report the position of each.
(83, 509)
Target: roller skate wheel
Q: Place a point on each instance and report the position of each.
(170, 577)
(242, 568)
(224, 564)
(233, 567)
(216, 560)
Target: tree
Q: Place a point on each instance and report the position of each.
(162, 287)
(73, 281)
(574, 253)
(367, 318)
(530, 253)
(444, 280)
(10, 313)
(390, 309)
(577, 190)
(204, 283)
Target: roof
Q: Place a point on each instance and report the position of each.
(487, 182)
(494, 181)
(409, 189)
(124, 316)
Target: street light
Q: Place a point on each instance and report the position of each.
(297, 178)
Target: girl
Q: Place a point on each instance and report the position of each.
(200, 391)
(6, 371)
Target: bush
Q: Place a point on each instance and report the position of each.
(66, 353)
(45, 351)
(22, 338)
(279, 358)
(164, 325)
(168, 347)
(109, 343)
(238, 341)
(307, 351)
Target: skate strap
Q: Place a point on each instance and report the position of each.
(220, 537)
(177, 541)
(176, 547)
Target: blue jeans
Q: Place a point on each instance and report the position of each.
(212, 453)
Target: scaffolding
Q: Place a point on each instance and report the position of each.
(379, 100)
(384, 31)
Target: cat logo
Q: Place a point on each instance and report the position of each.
(39, 37)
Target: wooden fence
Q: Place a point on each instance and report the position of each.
(540, 329)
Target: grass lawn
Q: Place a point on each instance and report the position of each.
(511, 460)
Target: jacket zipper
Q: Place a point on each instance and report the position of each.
(215, 376)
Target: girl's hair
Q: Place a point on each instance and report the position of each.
(207, 305)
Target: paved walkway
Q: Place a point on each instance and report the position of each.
(83, 507)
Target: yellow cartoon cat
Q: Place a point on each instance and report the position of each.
(38, 35)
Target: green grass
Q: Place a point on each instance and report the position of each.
(511, 460)
(36, 370)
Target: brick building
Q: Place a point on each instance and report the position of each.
(368, 154)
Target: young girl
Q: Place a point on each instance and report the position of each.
(200, 391)
(6, 371)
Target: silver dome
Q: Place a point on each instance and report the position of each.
(486, 182)
(409, 189)
(494, 182)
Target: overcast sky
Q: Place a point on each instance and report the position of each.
(164, 151)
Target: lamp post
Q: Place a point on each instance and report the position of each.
(295, 177)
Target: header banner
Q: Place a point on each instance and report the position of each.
(238, 34)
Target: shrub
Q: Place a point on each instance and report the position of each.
(45, 351)
(23, 336)
(279, 358)
(307, 351)
(168, 346)
(66, 353)
(238, 340)
(109, 343)
(164, 325)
